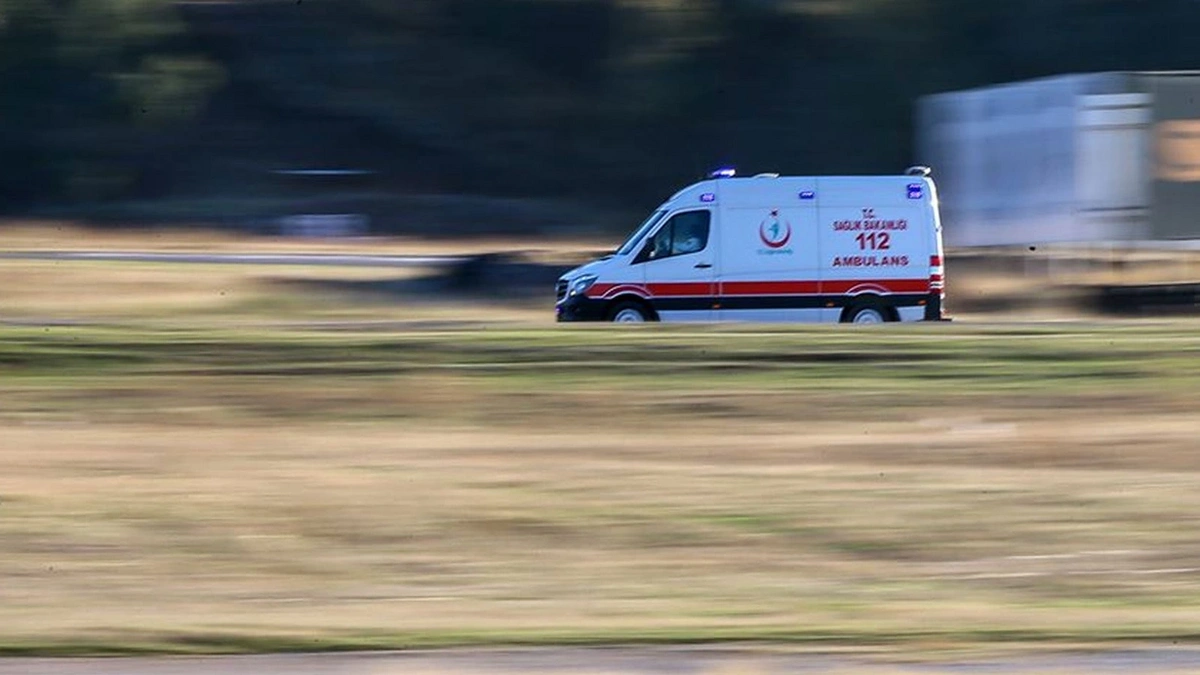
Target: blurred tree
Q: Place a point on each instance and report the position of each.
(625, 95)
(602, 99)
(75, 77)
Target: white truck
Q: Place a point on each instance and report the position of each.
(771, 248)
(1093, 159)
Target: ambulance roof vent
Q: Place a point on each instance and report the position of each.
(767, 175)
(922, 171)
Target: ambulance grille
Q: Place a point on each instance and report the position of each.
(560, 291)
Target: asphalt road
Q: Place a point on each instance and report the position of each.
(615, 661)
(326, 259)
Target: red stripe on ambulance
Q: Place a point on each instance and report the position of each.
(900, 286)
(682, 289)
(739, 288)
(704, 289)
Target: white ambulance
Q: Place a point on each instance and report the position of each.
(770, 248)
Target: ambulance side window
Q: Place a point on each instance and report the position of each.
(690, 233)
(683, 234)
(660, 245)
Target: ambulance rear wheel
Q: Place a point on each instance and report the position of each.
(629, 312)
(866, 314)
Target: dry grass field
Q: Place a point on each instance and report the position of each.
(66, 236)
(216, 458)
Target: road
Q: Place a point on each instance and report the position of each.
(615, 661)
(325, 259)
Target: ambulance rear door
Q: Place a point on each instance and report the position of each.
(875, 243)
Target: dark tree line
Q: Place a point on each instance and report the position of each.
(82, 84)
(606, 99)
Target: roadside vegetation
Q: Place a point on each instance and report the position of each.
(266, 469)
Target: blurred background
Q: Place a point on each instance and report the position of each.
(360, 453)
(518, 116)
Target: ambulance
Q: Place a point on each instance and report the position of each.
(771, 248)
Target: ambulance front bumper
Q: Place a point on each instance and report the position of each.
(580, 308)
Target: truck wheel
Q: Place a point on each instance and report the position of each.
(629, 312)
(866, 314)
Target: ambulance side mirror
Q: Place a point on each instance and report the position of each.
(647, 252)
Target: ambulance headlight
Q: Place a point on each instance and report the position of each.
(582, 284)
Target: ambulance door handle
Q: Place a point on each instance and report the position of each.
(703, 266)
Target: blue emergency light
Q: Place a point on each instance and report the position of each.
(727, 172)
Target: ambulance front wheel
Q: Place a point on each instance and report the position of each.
(630, 311)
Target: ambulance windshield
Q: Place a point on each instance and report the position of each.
(632, 242)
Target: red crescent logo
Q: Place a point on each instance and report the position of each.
(787, 229)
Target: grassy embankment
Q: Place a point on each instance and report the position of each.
(192, 464)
